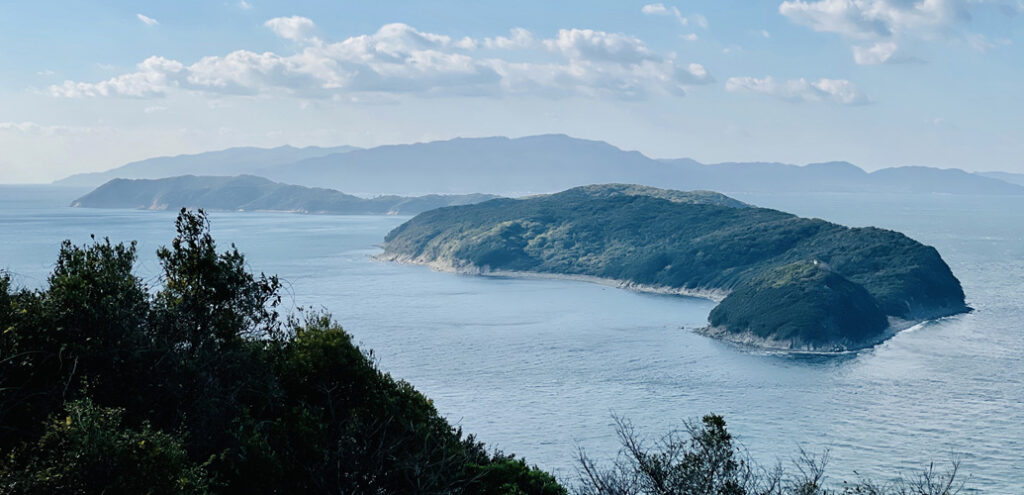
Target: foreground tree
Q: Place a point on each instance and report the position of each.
(90, 450)
(702, 459)
(200, 386)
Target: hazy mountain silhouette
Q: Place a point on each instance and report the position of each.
(1005, 176)
(232, 161)
(246, 192)
(542, 164)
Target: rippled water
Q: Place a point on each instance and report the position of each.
(538, 367)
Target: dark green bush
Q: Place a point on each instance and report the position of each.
(87, 449)
(199, 385)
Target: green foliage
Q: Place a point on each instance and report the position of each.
(88, 449)
(700, 460)
(200, 385)
(250, 193)
(694, 242)
(703, 459)
(784, 302)
(210, 299)
(506, 475)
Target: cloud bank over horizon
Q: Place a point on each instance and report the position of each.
(400, 59)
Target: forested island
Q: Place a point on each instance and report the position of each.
(251, 193)
(782, 282)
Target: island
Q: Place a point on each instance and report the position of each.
(781, 281)
(251, 193)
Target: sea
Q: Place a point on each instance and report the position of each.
(541, 368)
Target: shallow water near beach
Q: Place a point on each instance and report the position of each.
(539, 367)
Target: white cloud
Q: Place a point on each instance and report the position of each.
(885, 23)
(800, 90)
(655, 9)
(700, 20)
(295, 28)
(695, 74)
(765, 34)
(878, 53)
(982, 44)
(35, 129)
(242, 4)
(399, 59)
(153, 77)
(871, 18)
(518, 38)
(690, 36)
(149, 21)
(599, 45)
(466, 43)
(660, 9)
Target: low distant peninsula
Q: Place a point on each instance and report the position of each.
(782, 282)
(251, 193)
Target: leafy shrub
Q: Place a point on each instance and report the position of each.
(200, 385)
(703, 459)
(89, 450)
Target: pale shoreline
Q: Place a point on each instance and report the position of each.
(713, 295)
(747, 339)
(743, 339)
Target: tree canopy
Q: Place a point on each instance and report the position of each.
(200, 385)
(701, 242)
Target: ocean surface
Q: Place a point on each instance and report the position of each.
(539, 367)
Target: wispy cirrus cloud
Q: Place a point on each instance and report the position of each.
(800, 90)
(149, 21)
(29, 128)
(660, 9)
(400, 59)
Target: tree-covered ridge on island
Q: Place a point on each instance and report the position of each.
(784, 281)
(251, 193)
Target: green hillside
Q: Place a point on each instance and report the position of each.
(250, 193)
(702, 243)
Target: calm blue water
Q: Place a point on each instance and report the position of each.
(537, 367)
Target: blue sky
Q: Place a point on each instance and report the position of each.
(91, 85)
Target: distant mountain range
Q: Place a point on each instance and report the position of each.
(232, 161)
(541, 164)
(255, 193)
(1006, 177)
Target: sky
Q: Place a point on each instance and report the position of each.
(88, 86)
